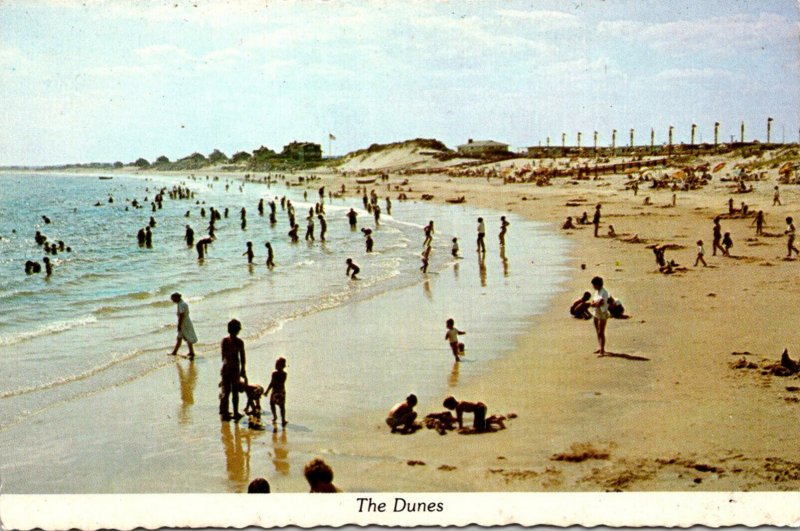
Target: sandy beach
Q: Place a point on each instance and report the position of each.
(666, 411)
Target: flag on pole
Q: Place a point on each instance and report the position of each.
(331, 137)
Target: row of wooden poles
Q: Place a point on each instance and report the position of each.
(671, 128)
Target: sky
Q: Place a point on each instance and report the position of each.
(109, 80)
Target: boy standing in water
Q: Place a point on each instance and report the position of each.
(503, 229)
(270, 255)
(481, 235)
(233, 368)
(454, 251)
(278, 387)
(249, 253)
(452, 337)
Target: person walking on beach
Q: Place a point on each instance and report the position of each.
(189, 236)
(451, 336)
(249, 253)
(185, 326)
(596, 220)
(277, 385)
(727, 243)
(481, 235)
(759, 223)
(601, 314)
(776, 197)
(352, 267)
(715, 244)
(270, 255)
(503, 229)
(428, 234)
(233, 369)
(700, 254)
(790, 233)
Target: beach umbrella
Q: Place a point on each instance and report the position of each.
(786, 167)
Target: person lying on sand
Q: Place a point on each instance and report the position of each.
(402, 415)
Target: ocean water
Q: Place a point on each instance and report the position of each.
(103, 323)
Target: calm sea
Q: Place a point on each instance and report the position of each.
(104, 318)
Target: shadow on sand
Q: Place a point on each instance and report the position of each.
(623, 356)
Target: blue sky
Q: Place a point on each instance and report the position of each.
(107, 80)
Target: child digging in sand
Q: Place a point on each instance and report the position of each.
(478, 410)
(452, 337)
(402, 415)
(278, 387)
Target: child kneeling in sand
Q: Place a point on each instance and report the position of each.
(580, 308)
(402, 415)
(478, 410)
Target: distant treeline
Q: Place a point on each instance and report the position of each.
(296, 155)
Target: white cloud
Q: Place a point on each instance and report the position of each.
(716, 35)
(542, 19)
(164, 53)
(694, 74)
(582, 69)
(14, 59)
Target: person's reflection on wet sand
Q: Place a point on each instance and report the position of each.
(188, 380)
(426, 290)
(452, 379)
(482, 268)
(280, 453)
(455, 271)
(504, 260)
(237, 461)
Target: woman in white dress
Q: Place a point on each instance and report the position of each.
(185, 327)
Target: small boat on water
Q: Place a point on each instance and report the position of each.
(105, 177)
(456, 200)
(366, 180)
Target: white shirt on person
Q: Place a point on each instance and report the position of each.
(601, 311)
